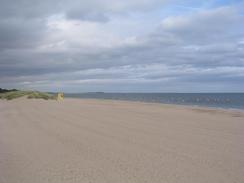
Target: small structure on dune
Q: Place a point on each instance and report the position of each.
(60, 96)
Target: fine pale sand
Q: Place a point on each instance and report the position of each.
(98, 141)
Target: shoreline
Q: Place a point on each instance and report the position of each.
(210, 100)
(163, 104)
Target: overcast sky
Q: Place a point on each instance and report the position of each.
(122, 45)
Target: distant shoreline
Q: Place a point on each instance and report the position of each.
(150, 98)
(180, 106)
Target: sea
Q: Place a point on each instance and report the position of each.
(215, 100)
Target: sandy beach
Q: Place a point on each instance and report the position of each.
(105, 141)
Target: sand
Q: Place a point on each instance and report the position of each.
(99, 141)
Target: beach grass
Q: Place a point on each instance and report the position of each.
(29, 94)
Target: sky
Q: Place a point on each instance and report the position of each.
(122, 45)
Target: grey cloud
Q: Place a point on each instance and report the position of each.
(23, 23)
(139, 75)
(20, 33)
(214, 24)
(202, 49)
(29, 8)
(87, 16)
(44, 8)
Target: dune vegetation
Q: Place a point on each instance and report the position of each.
(9, 95)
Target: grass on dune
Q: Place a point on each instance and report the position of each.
(40, 95)
(13, 94)
(30, 94)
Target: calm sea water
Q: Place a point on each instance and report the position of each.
(219, 100)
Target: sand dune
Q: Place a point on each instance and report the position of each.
(98, 141)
